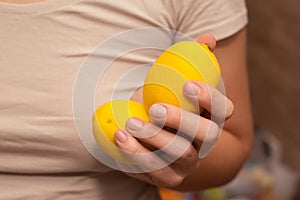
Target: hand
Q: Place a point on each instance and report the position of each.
(177, 154)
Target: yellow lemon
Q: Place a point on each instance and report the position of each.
(110, 117)
(181, 62)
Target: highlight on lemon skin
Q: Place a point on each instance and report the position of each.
(112, 116)
(180, 63)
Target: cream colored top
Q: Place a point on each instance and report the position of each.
(43, 46)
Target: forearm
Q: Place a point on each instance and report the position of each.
(222, 164)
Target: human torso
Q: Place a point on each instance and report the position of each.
(43, 48)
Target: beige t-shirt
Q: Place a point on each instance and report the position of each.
(43, 47)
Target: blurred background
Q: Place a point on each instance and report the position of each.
(274, 70)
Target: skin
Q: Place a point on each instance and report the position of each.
(223, 162)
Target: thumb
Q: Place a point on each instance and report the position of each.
(207, 39)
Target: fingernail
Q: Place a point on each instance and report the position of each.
(191, 89)
(133, 125)
(120, 136)
(157, 112)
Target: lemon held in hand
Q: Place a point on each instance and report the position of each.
(181, 62)
(112, 116)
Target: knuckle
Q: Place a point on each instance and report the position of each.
(214, 127)
(137, 150)
(174, 181)
(206, 93)
(189, 153)
(150, 134)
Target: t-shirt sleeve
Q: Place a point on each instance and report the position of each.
(217, 17)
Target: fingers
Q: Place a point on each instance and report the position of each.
(137, 153)
(172, 145)
(208, 97)
(176, 156)
(159, 177)
(203, 132)
(154, 165)
(209, 40)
